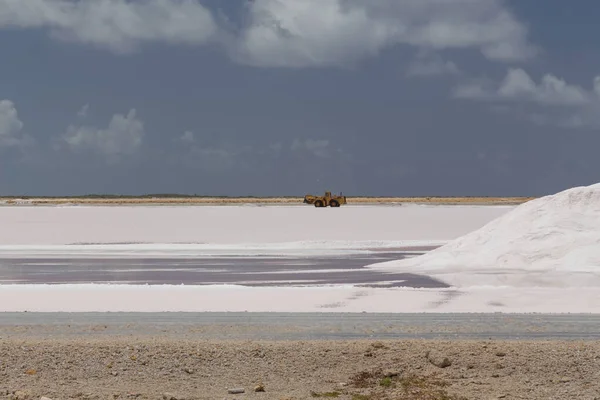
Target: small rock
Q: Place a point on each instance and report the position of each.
(391, 374)
(438, 359)
(45, 398)
(565, 380)
(114, 373)
(501, 396)
(189, 371)
(235, 390)
(259, 388)
(169, 396)
(21, 395)
(500, 353)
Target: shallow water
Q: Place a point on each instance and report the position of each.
(303, 326)
(240, 270)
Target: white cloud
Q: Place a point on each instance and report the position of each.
(187, 137)
(426, 64)
(119, 25)
(572, 106)
(218, 157)
(518, 85)
(297, 33)
(597, 85)
(10, 125)
(317, 147)
(83, 112)
(472, 90)
(587, 118)
(209, 152)
(123, 136)
(551, 89)
(275, 148)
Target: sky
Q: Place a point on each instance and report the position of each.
(287, 97)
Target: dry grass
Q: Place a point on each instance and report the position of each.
(333, 394)
(255, 200)
(375, 385)
(442, 200)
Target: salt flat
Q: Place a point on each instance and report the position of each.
(334, 298)
(239, 225)
(249, 231)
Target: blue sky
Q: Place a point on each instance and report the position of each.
(284, 97)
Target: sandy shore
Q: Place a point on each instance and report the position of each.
(139, 367)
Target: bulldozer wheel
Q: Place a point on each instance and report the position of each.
(318, 203)
(334, 203)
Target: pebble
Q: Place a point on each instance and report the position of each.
(20, 395)
(259, 388)
(438, 359)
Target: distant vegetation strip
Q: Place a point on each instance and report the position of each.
(193, 199)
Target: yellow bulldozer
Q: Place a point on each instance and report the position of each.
(327, 200)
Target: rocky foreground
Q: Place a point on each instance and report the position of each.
(162, 368)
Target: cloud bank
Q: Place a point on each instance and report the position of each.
(282, 33)
(117, 25)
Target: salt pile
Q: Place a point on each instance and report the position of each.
(552, 241)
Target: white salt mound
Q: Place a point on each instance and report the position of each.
(550, 241)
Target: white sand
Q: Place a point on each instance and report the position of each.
(553, 241)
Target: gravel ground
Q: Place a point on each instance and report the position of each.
(188, 356)
(142, 367)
